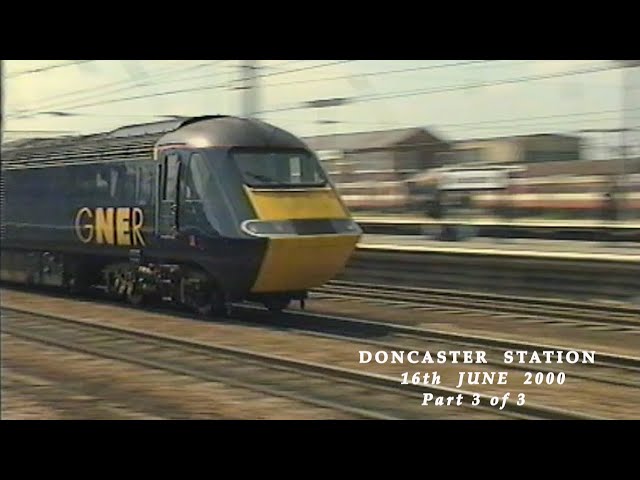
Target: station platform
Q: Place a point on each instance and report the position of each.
(565, 249)
(542, 229)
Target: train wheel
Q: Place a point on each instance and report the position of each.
(210, 303)
(135, 298)
(277, 305)
(117, 280)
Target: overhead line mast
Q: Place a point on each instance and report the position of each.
(250, 87)
(2, 95)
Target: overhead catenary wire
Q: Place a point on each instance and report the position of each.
(379, 73)
(486, 123)
(229, 84)
(184, 90)
(283, 64)
(353, 75)
(457, 124)
(92, 91)
(481, 122)
(119, 85)
(95, 90)
(50, 67)
(453, 88)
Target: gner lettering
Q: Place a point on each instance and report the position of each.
(110, 226)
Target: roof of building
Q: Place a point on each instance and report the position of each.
(585, 167)
(370, 140)
(516, 137)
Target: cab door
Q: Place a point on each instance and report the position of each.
(169, 186)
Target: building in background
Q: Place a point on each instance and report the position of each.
(386, 156)
(521, 149)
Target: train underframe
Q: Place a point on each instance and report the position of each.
(135, 280)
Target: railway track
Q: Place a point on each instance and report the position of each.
(395, 336)
(68, 393)
(531, 310)
(364, 395)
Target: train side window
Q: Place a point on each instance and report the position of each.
(146, 180)
(82, 182)
(113, 184)
(101, 186)
(124, 182)
(171, 167)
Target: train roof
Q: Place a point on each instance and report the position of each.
(139, 141)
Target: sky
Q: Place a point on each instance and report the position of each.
(455, 99)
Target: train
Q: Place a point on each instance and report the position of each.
(201, 211)
(582, 196)
(497, 191)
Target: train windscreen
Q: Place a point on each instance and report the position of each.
(277, 169)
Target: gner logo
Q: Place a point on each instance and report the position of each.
(110, 226)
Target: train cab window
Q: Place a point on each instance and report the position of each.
(193, 178)
(279, 169)
(171, 167)
(296, 170)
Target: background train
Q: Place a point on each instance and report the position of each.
(496, 191)
(203, 211)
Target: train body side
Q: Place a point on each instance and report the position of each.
(80, 208)
(100, 213)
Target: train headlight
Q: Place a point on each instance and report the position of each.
(279, 227)
(301, 227)
(268, 228)
(253, 228)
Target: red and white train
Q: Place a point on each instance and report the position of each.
(494, 190)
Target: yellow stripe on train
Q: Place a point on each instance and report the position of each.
(296, 204)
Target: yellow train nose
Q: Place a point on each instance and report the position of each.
(297, 260)
(301, 263)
